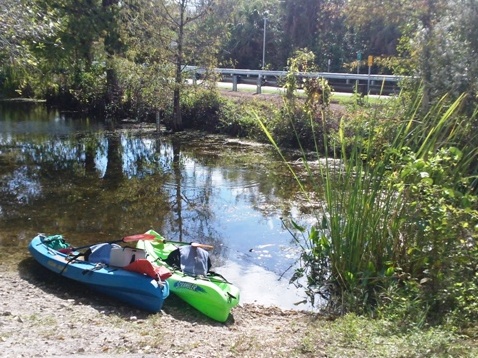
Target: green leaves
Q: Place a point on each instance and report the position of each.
(394, 223)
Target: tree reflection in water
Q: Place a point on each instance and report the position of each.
(69, 176)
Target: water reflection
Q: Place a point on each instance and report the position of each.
(32, 118)
(69, 176)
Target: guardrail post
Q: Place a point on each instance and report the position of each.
(234, 83)
(259, 84)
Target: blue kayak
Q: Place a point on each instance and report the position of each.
(133, 288)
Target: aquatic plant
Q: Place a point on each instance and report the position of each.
(396, 234)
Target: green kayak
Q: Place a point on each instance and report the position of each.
(210, 294)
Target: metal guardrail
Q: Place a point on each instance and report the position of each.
(346, 82)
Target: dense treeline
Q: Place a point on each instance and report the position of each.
(126, 57)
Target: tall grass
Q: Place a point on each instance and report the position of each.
(397, 227)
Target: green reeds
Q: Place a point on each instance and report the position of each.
(378, 217)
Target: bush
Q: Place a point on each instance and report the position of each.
(201, 109)
(209, 111)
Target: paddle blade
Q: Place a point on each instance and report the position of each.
(138, 237)
(202, 246)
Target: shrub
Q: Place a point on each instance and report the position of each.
(201, 109)
(397, 232)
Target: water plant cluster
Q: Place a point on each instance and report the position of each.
(396, 232)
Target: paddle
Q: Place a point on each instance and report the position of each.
(202, 246)
(130, 238)
(161, 239)
(193, 244)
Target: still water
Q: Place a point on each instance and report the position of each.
(69, 175)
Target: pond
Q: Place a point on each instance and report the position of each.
(65, 174)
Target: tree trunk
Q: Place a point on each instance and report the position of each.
(178, 120)
(111, 45)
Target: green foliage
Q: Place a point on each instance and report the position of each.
(238, 119)
(207, 110)
(302, 61)
(145, 88)
(397, 232)
(301, 123)
(293, 127)
(13, 82)
(243, 34)
(441, 248)
(433, 41)
(201, 109)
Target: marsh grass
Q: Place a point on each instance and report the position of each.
(397, 214)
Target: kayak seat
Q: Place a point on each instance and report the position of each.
(191, 260)
(113, 254)
(100, 253)
(123, 256)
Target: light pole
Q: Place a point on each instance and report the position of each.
(264, 42)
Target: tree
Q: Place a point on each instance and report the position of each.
(180, 15)
(23, 21)
(162, 37)
(243, 34)
(300, 23)
(290, 26)
(244, 46)
(113, 46)
(334, 42)
(453, 63)
(21, 24)
(437, 41)
(61, 51)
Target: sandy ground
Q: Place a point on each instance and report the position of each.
(45, 315)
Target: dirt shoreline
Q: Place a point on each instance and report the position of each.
(45, 315)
